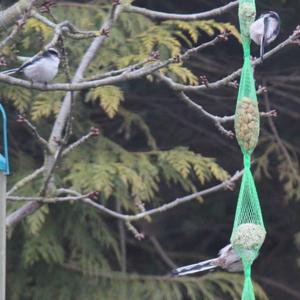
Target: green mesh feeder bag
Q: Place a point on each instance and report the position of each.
(246, 120)
(248, 230)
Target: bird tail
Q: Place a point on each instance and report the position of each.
(9, 72)
(263, 40)
(195, 268)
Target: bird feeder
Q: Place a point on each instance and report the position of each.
(4, 165)
(248, 232)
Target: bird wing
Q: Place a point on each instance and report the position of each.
(225, 249)
(29, 62)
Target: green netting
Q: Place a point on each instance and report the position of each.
(247, 12)
(248, 232)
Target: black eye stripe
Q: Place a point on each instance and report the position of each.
(53, 52)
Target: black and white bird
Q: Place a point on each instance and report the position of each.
(227, 260)
(40, 68)
(264, 30)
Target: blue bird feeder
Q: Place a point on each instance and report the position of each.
(4, 166)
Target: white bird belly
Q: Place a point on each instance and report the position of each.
(257, 31)
(43, 70)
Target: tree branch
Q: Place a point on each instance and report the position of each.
(19, 26)
(186, 17)
(228, 79)
(41, 141)
(217, 120)
(67, 27)
(63, 116)
(93, 132)
(285, 152)
(129, 218)
(76, 85)
(47, 199)
(129, 73)
(25, 180)
(162, 253)
(10, 15)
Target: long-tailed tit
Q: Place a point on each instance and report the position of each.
(41, 68)
(227, 260)
(265, 30)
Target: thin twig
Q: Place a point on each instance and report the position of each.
(68, 28)
(47, 199)
(122, 239)
(279, 285)
(92, 133)
(278, 139)
(217, 120)
(162, 253)
(26, 180)
(33, 130)
(228, 80)
(129, 218)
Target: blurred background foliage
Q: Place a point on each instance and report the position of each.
(152, 149)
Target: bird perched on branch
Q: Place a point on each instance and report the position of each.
(227, 260)
(265, 30)
(40, 68)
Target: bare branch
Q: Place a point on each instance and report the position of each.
(25, 180)
(129, 73)
(48, 199)
(118, 72)
(122, 239)
(10, 15)
(93, 132)
(62, 120)
(129, 218)
(67, 28)
(138, 235)
(162, 253)
(22, 213)
(186, 17)
(216, 120)
(228, 80)
(41, 141)
(76, 85)
(36, 173)
(281, 145)
(18, 27)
